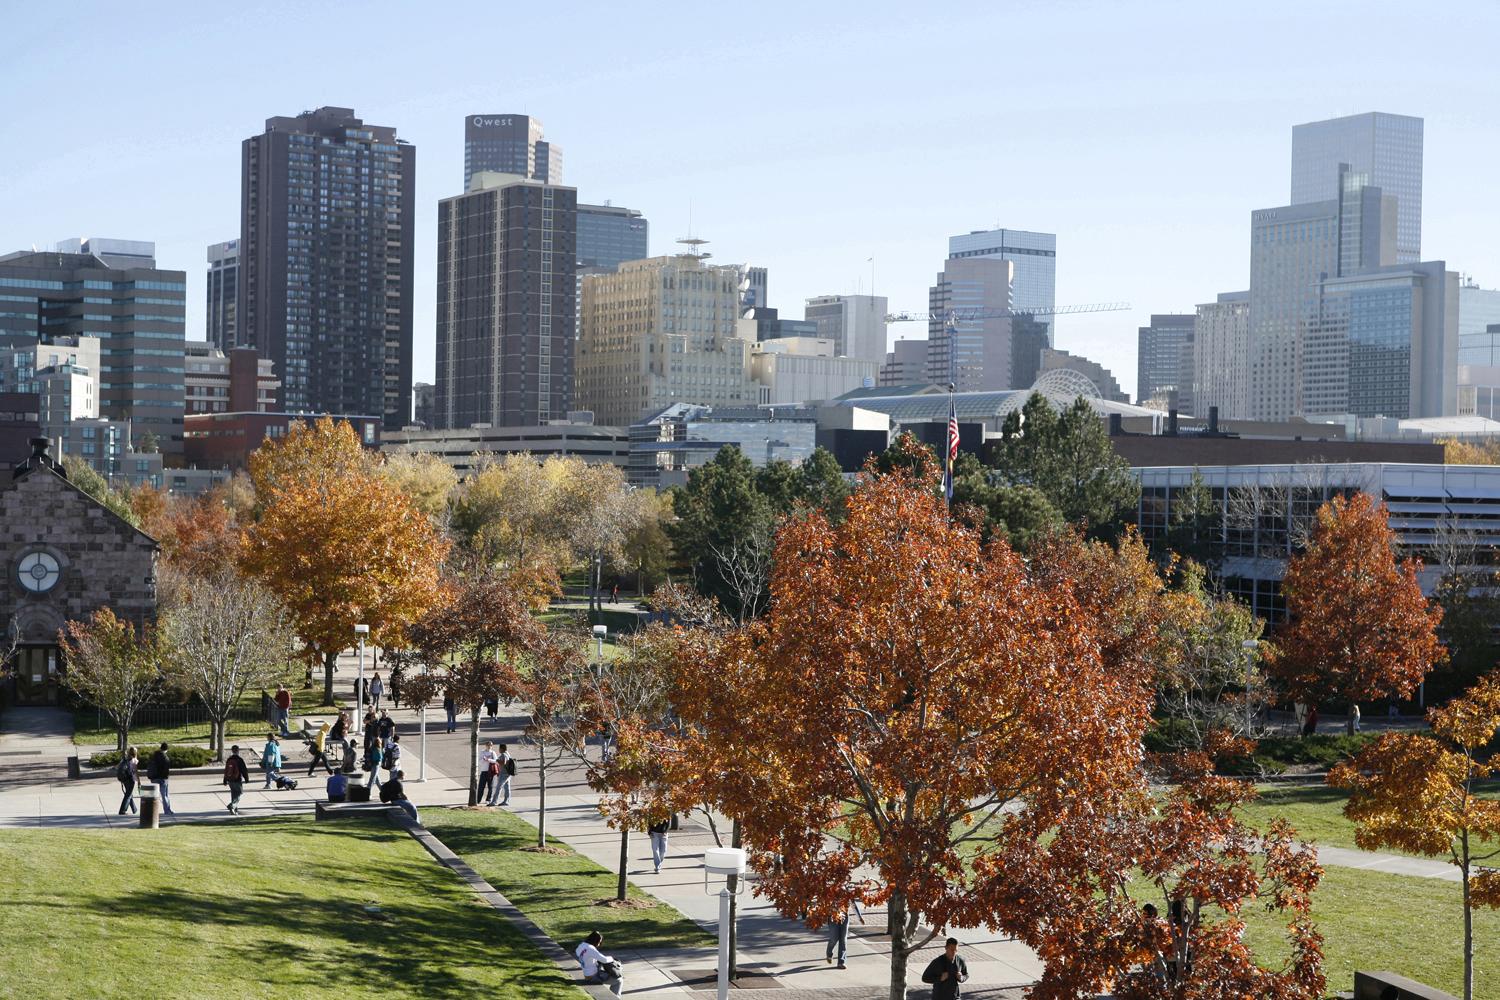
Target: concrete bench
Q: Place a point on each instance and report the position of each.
(1389, 986)
(334, 810)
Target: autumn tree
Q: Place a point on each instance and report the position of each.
(82, 475)
(225, 634)
(338, 544)
(113, 664)
(477, 625)
(1358, 627)
(424, 479)
(646, 552)
(881, 730)
(198, 534)
(1416, 792)
(548, 676)
(1076, 893)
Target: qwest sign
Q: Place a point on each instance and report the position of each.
(482, 121)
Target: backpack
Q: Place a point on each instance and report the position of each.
(392, 757)
(231, 770)
(510, 766)
(122, 769)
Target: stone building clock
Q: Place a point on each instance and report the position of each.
(38, 572)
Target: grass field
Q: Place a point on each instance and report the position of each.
(257, 908)
(558, 891)
(1317, 811)
(93, 728)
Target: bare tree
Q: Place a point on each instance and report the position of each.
(225, 634)
(744, 563)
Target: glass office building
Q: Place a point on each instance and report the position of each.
(1034, 277)
(509, 144)
(1385, 147)
(1478, 310)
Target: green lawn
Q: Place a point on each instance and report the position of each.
(559, 891)
(1317, 811)
(257, 908)
(88, 731)
(1376, 922)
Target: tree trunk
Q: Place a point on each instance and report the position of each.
(216, 738)
(122, 736)
(474, 758)
(733, 882)
(624, 862)
(330, 660)
(899, 949)
(541, 786)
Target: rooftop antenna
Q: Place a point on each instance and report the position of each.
(693, 243)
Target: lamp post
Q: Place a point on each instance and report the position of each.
(1249, 646)
(422, 714)
(600, 631)
(361, 631)
(726, 863)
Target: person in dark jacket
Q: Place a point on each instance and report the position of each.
(393, 792)
(159, 770)
(946, 972)
(450, 709)
(235, 776)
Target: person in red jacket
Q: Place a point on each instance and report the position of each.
(283, 708)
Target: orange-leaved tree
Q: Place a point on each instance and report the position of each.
(1358, 627)
(337, 543)
(897, 712)
(479, 622)
(1416, 792)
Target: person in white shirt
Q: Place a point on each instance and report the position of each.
(597, 966)
(487, 760)
(376, 690)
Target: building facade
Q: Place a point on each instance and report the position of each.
(796, 370)
(1221, 344)
(855, 323)
(137, 315)
(1034, 278)
(905, 363)
(1478, 310)
(1386, 148)
(225, 441)
(505, 303)
(326, 245)
(466, 448)
(973, 351)
(236, 381)
(1159, 352)
(114, 253)
(223, 280)
(509, 144)
(608, 236)
(668, 445)
(660, 331)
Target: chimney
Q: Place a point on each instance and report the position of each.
(1171, 423)
(39, 446)
(1213, 420)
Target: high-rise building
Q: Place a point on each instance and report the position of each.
(509, 144)
(855, 323)
(223, 284)
(1221, 343)
(1478, 310)
(235, 381)
(1034, 278)
(660, 331)
(905, 363)
(424, 404)
(608, 236)
(137, 313)
(505, 303)
(1384, 343)
(1159, 357)
(1386, 148)
(760, 323)
(1291, 250)
(973, 352)
(326, 245)
(114, 253)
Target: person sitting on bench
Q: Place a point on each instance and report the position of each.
(338, 787)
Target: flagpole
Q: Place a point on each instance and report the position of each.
(950, 446)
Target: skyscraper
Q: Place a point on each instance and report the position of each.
(1221, 343)
(1478, 310)
(326, 244)
(505, 309)
(509, 144)
(137, 313)
(905, 363)
(855, 323)
(223, 282)
(1159, 357)
(974, 353)
(1386, 148)
(1034, 278)
(608, 236)
(1291, 250)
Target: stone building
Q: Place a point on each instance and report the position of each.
(65, 555)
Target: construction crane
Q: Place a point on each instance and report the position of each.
(964, 315)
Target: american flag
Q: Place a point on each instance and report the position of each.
(951, 455)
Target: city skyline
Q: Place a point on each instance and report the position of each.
(1149, 191)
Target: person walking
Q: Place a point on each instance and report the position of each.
(506, 764)
(159, 770)
(128, 773)
(377, 690)
(492, 705)
(614, 594)
(838, 935)
(373, 756)
(393, 753)
(946, 973)
(1354, 718)
(393, 792)
(235, 776)
(488, 772)
(597, 966)
(361, 692)
(386, 728)
(270, 758)
(658, 833)
(283, 702)
(450, 709)
(1311, 728)
(319, 741)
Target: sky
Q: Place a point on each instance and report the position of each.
(837, 144)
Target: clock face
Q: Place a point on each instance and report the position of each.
(38, 572)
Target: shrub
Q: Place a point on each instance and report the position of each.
(177, 756)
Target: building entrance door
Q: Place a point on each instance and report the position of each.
(37, 677)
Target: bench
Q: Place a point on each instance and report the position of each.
(1389, 986)
(334, 810)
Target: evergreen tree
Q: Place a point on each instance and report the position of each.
(1067, 456)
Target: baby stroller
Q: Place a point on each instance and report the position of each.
(283, 782)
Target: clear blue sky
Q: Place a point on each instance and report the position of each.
(806, 137)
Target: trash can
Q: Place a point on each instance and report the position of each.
(359, 789)
(150, 807)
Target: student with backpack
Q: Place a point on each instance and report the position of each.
(159, 770)
(126, 772)
(235, 776)
(505, 766)
(319, 741)
(392, 759)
